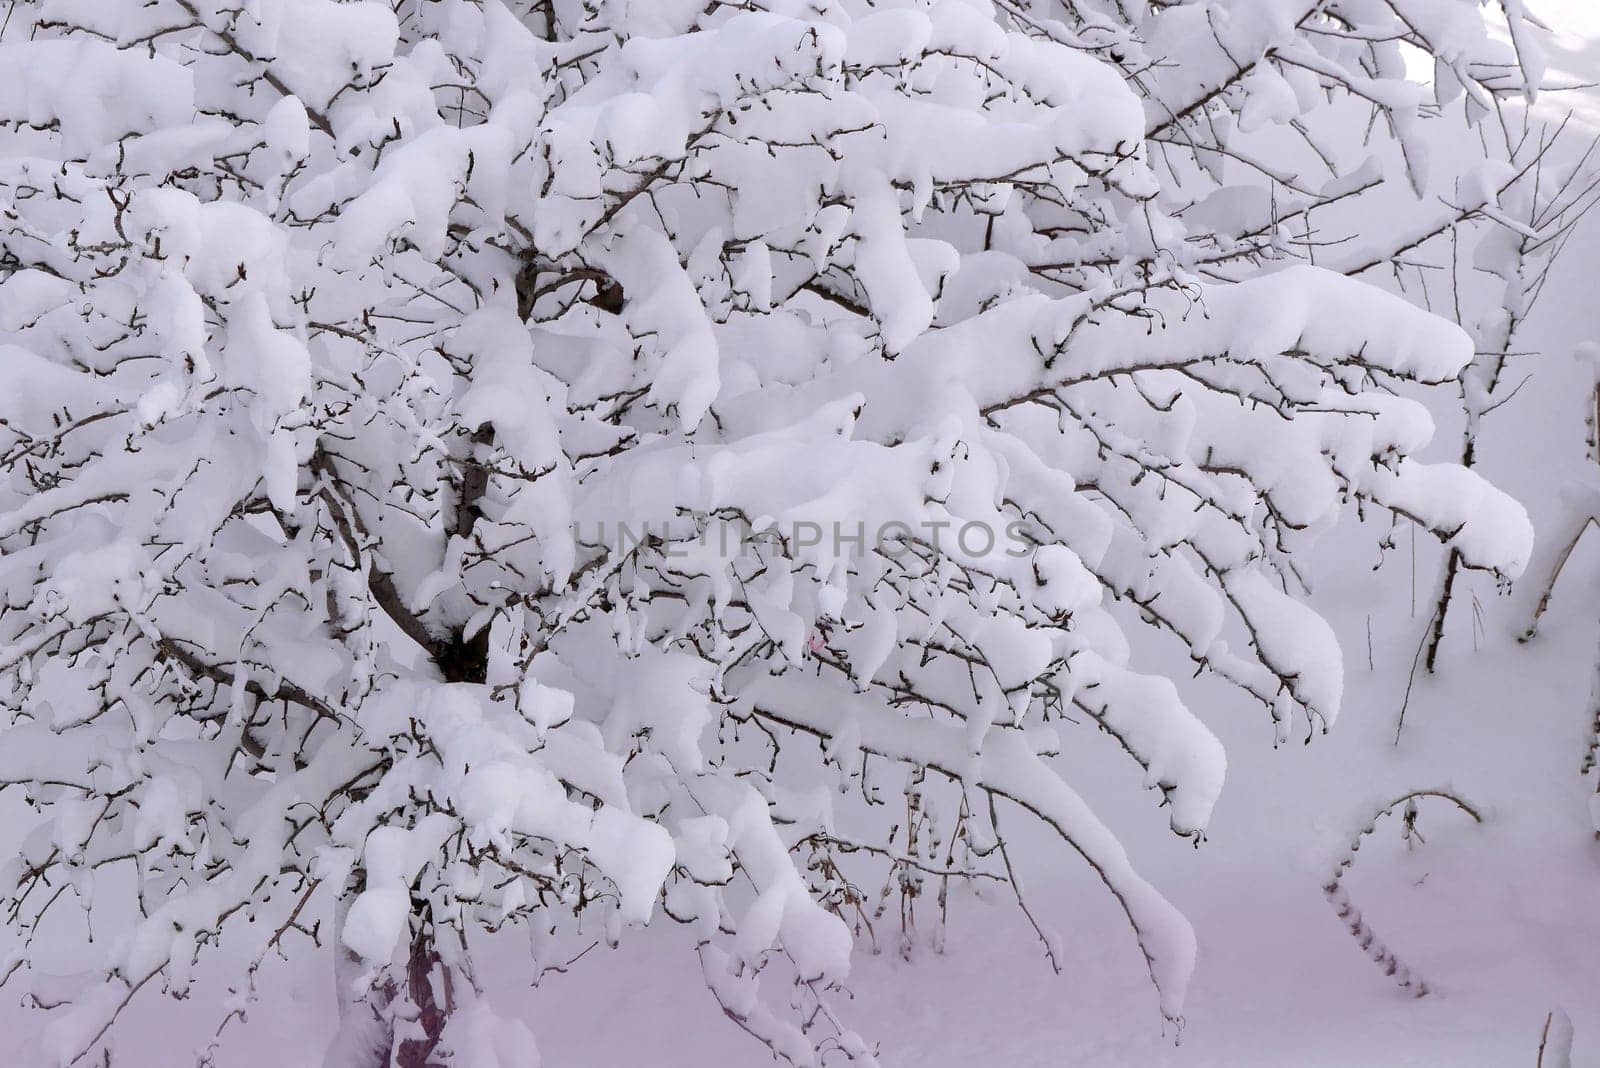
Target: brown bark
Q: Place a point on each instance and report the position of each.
(431, 1014)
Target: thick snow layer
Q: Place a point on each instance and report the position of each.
(381, 385)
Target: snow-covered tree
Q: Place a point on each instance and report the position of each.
(473, 462)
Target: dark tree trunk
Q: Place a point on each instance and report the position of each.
(412, 1001)
(459, 658)
(432, 1015)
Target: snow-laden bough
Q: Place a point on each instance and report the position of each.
(469, 463)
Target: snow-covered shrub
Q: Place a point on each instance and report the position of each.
(1579, 511)
(470, 462)
(1515, 212)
